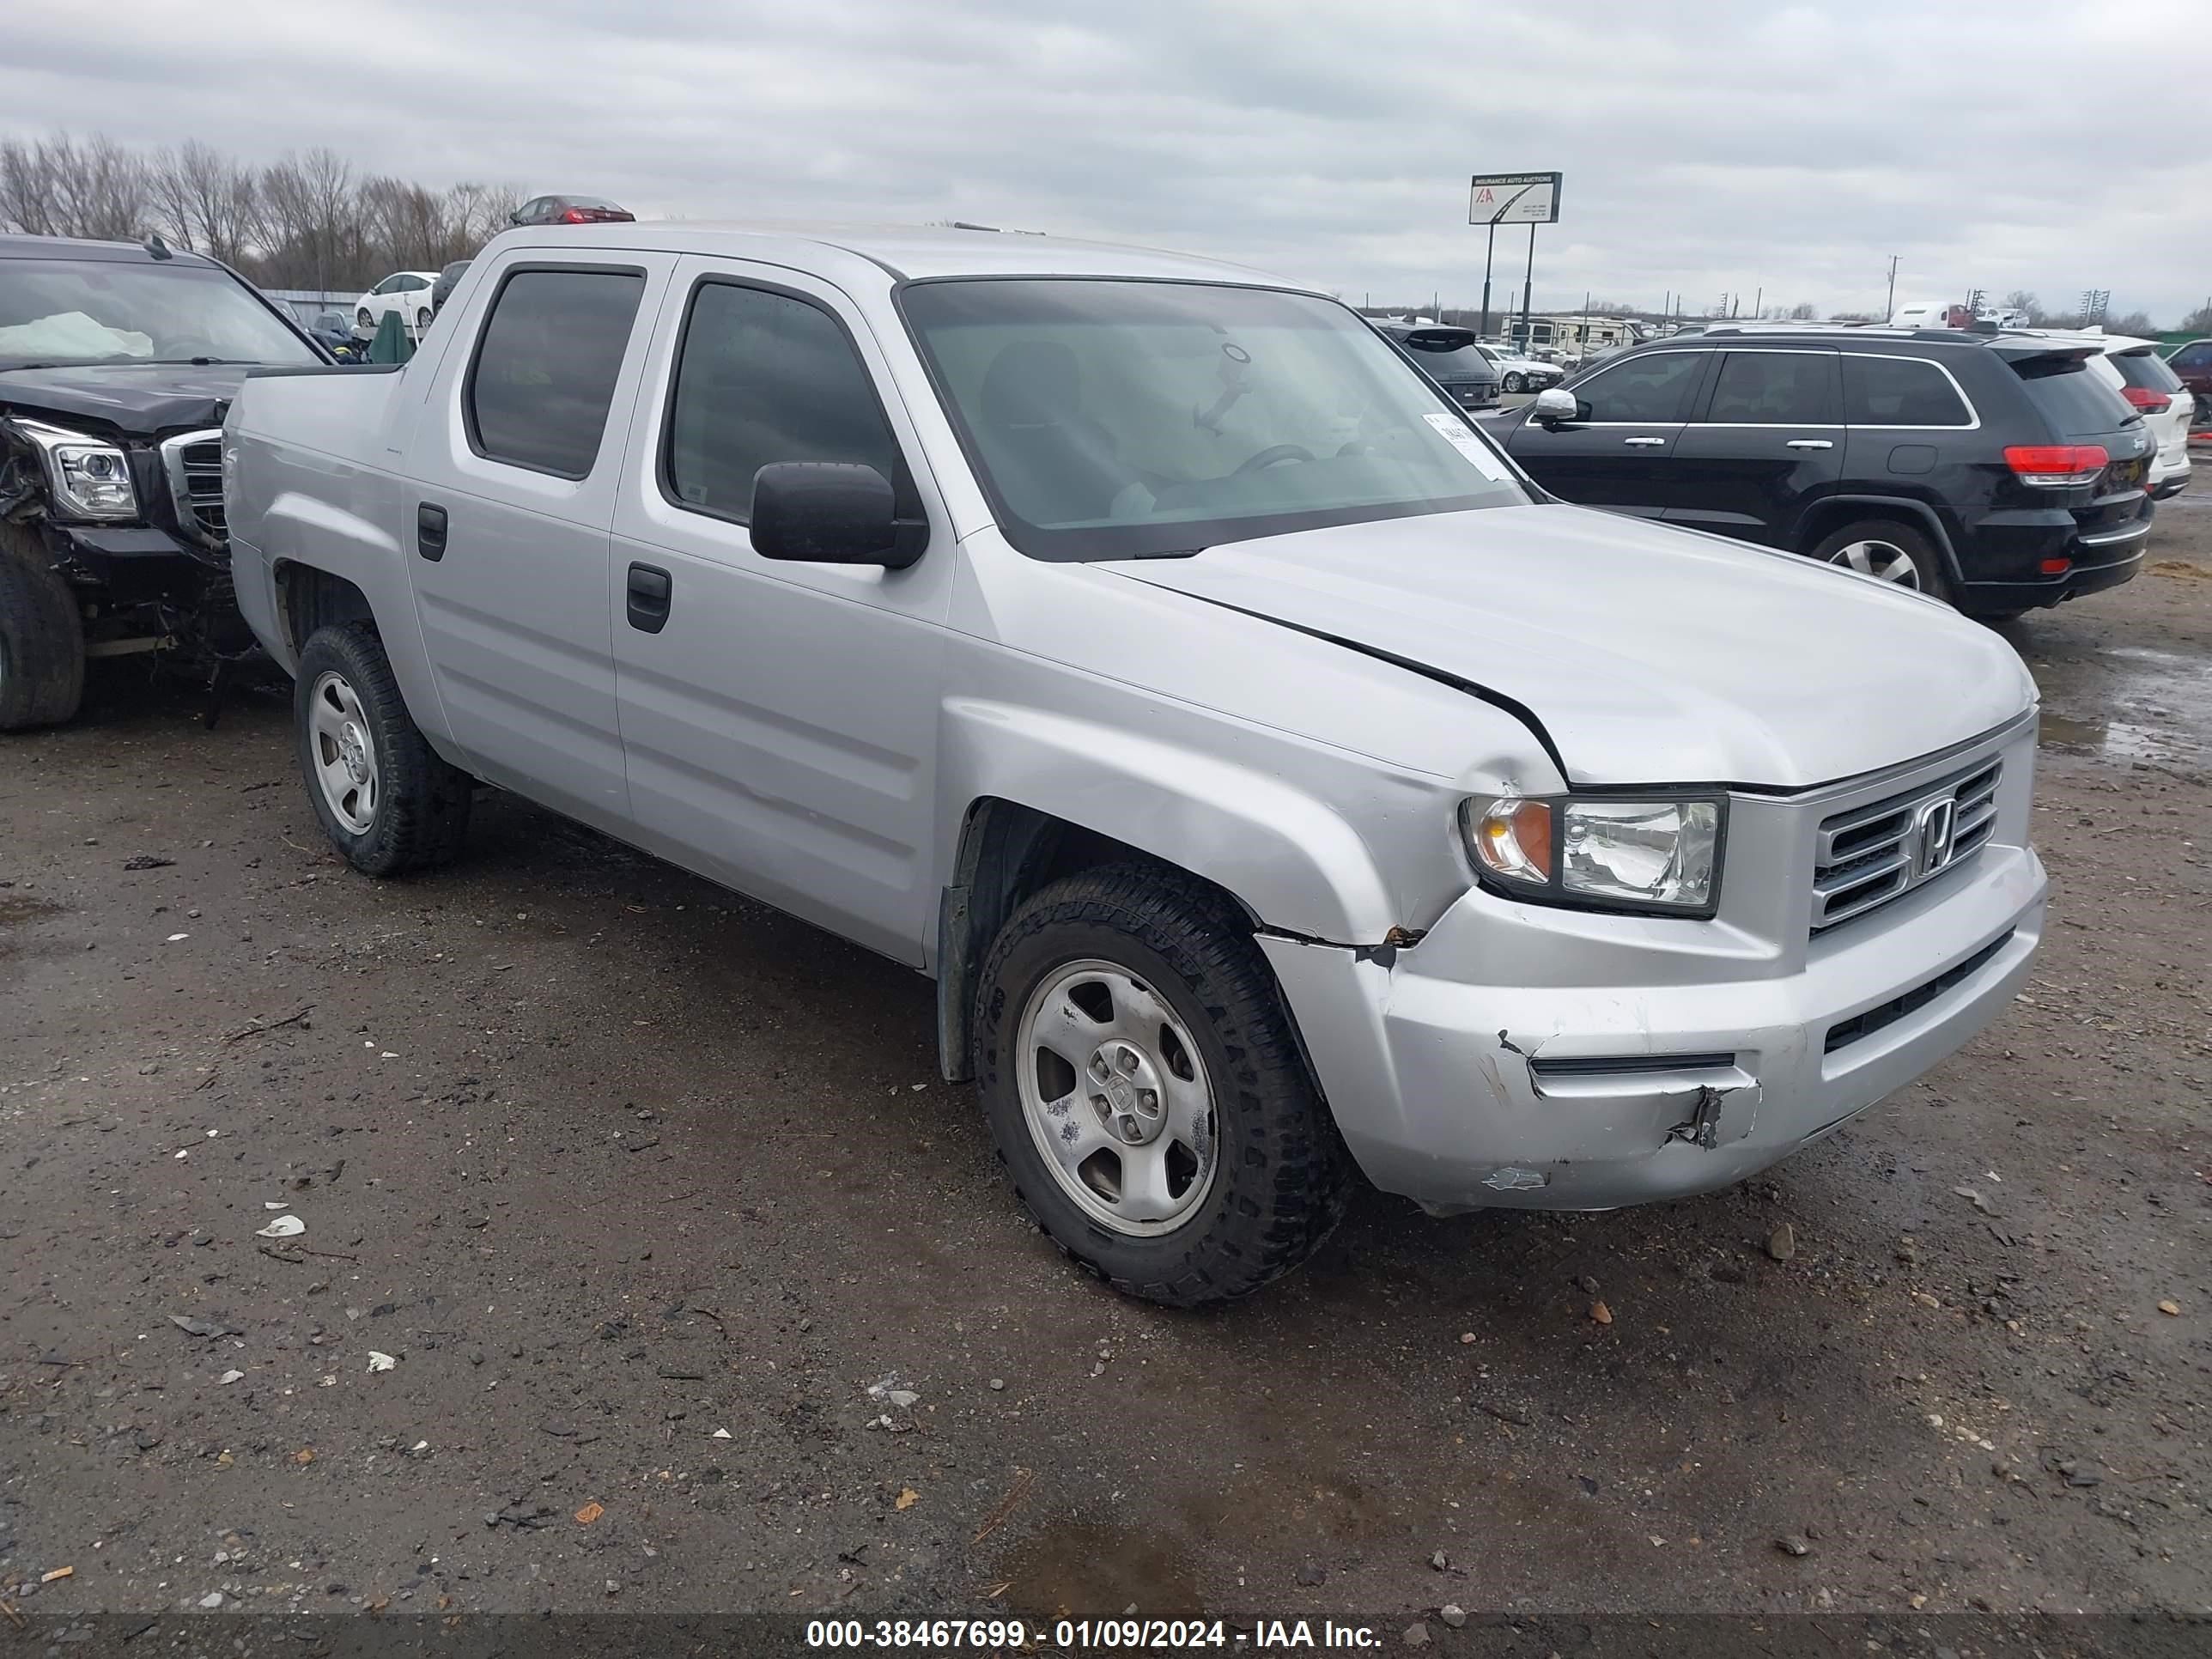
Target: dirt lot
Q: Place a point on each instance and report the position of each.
(642, 1189)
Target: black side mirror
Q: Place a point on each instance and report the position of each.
(832, 513)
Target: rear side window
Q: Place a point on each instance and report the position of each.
(2075, 402)
(765, 377)
(1900, 391)
(545, 374)
(1641, 390)
(2142, 368)
(1777, 388)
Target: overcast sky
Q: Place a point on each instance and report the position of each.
(1707, 147)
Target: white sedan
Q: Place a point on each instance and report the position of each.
(407, 292)
(1519, 373)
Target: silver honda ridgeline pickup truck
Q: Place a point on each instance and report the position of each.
(1274, 782)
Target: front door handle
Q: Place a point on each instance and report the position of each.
(1809, 443)
(1647, 443)
(430, 532)
(649, 592)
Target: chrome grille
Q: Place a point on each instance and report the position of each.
(193, 461)
(1869, 856)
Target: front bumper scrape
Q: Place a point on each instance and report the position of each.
(1462, 1095)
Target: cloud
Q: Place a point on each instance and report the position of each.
(1729, 145)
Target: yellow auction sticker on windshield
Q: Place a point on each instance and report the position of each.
(1454, 432)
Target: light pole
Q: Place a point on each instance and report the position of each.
(1488, 252)
(1889, 309)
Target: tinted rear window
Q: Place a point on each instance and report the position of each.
(1900, 391)
(1460, 364)
(2142, 368)
(2075, 402)
(545, 374)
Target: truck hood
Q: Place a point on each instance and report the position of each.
(138, 400)
(1645, 654)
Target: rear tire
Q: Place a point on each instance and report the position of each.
(1889, 550)
(1152, 977)
(384, 797)
(42, 637)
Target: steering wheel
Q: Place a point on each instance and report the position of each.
(1274, 455)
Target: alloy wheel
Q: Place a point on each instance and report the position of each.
(1884, 561)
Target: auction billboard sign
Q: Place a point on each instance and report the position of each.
(1514, 198)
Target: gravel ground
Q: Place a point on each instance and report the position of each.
(700, 1292)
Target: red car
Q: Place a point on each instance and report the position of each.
(569, 210)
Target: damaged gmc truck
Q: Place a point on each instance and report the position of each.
(118, 363)
(1278, 788)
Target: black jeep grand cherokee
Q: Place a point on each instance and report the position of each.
(1990, 469)
(118, 363)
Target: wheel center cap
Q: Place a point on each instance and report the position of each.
(1124, 1093)
(354, 753)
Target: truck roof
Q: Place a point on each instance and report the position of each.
(904, 251)
(73, 247)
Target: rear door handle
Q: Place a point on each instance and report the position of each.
(1810, 443)
(430, 532)
(649, 591)
(1649, 443)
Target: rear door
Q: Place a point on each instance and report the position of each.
(1617, 451)
(780, 720)
(1768, 442)
(506, 532)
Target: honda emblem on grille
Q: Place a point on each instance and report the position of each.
(1934, 829)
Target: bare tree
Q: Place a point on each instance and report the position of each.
(2198, 321)
(1803, 311)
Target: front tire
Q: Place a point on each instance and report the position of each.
(384, 797)
(366, 321)
(1888, 550)
(1146, 1092)
(1515, 383)
(42, 638)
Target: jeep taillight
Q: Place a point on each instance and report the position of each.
(2054, 466)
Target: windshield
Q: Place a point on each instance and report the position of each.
(1114, 419)
(71, 312)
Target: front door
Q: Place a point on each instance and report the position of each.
(1768, 442)
(779, 720)
(506, 533)
(1617, 451)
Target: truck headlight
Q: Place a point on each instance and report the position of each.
(1661, 856)
(89, 479)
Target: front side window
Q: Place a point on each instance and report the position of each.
(765, 377)
(389, 285)
(76, 312)
(1900, 391)
(1118, 419)
(544, 375)
(1777, 388)
(1644, 391)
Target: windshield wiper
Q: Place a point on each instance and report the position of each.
(197, 362)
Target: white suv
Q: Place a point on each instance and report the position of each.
(2134, 369)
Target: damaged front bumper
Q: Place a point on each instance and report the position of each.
(1578, 1093)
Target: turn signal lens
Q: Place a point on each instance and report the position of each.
(1513, 839)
